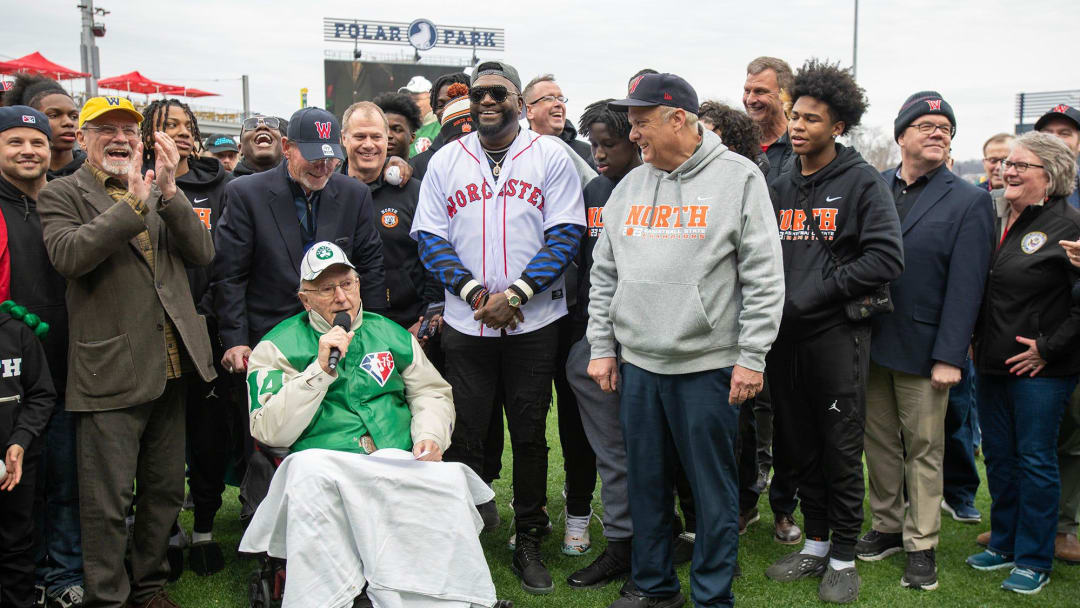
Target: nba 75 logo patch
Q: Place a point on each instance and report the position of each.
(379, 365)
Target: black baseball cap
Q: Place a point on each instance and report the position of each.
(660, 90)
(221, 143)
(317, 133)
(1059, 111)
(498, 68)
(13, 117)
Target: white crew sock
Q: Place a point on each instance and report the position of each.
(202, 537)
(817, 548)
(836, 564)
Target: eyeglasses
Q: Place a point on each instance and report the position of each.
(1020, 167)
(927, 128)
(252, 123)
(498, 93)
(110, 131)
(994, 160)
(329, 291)
(549, 98)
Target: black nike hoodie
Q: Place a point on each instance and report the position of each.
(204, 186)
(857, 216)
(35, 284)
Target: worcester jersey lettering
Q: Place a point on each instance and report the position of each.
(497, 226)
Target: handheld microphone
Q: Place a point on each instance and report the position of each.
(344, 321)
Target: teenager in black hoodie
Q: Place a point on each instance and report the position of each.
(819, 363)
(216, 424)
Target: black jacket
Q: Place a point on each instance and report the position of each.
(27, 396)
(857, 216)
(409, 286)
(204, 186)
(35, 284)
(596, 194)
(781, 157)
(242, 168)
(948, 235)
(1028, 292)
(258, 244)
(569, 135)
(79, 157)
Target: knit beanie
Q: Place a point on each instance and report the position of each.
(920, 104)
(456, 119)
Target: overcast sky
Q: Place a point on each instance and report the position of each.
(978, 55)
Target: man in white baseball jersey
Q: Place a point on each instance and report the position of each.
(499, 220)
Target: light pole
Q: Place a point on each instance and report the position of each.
(88, 48)
(855, 41)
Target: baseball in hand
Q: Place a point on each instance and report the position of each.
(393, 175)
(3, 470)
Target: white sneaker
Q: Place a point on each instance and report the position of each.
(576, 539)
(511, 544)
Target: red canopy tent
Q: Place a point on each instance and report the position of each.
(35, 63)
(189, 92)
(134, 82)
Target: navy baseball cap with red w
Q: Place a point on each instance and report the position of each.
(660, 90)
(317, 133)
(1059, 111)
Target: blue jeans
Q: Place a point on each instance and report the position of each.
(684, 418)
(59, 538)
(1020, 418)
(961, 478)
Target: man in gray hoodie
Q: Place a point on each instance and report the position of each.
(688, 279)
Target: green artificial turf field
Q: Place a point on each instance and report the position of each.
(959, 585)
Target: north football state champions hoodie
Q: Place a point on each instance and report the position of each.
(688, 273)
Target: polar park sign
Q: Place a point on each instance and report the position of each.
(421, 34)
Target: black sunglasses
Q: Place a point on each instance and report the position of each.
(498, 92)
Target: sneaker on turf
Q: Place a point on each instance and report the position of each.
(990, 560)
(874, 545)
(921, 571)
(795, 566)
(612, 564)
(840, 586)
(962, 513)
(1026, 581)
(576, 539)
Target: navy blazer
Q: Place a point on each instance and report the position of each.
(948, 239)
(259, 247)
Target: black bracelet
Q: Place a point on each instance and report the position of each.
(477, 297)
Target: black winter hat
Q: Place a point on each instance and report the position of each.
(921, 104)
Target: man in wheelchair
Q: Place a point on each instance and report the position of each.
(363, 499)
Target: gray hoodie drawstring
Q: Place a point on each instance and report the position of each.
(655, 194)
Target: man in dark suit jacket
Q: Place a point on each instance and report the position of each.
(918, 351)
(270, 221)
(123, 240)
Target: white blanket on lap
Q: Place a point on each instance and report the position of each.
(409, 529)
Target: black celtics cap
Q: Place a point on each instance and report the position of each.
(660, 90)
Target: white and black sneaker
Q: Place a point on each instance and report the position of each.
(874, 545)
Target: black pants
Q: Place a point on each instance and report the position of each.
(523, 365)
(819, 409)
(17, 535)
(216, 424)
(579, 461)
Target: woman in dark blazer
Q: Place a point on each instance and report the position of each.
(1027, 360)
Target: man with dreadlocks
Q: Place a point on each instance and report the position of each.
(210, 414)
(608, 131)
